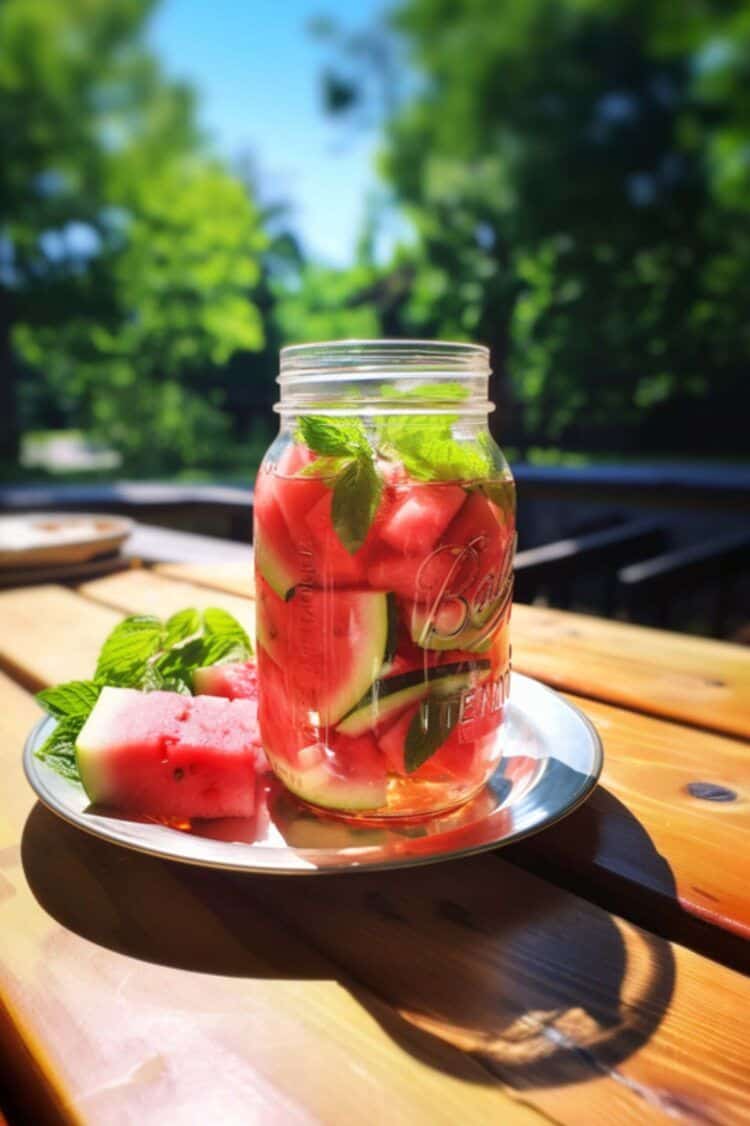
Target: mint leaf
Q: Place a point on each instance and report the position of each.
(349, 466)
(424, 443)
(76, 698)
(59, 750)
(180, 626)
(221, 624)
(127, 651)
(333, 437)
(356, 496)
(323, 467)
(433, 722)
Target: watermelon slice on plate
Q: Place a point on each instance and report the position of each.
(170, 756)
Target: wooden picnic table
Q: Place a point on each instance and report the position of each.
(591, 974)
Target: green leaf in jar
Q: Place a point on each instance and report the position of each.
(433, 722)
(332, 437)
(425, 443)
(356, 495)
(348, 467)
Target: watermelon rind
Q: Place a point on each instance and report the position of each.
(280, 575)
(94, 738)
(377, 706)
(320, 785)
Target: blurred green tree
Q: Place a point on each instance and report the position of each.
(577, 174)
(127, 254)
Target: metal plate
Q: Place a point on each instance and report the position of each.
(552, 760)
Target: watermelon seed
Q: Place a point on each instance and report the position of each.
(178, 773)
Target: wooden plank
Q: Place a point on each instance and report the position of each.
(130, 996)
(521, 983)
(144, 592)
(666, 835)
(594, 1018)
(229, 577)
(429, 994)
(50, 634)
(689, 679)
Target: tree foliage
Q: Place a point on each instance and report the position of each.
(127, 254)
(577, 175)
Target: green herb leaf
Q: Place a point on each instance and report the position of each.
(433, 722)
(76, 698)
(59, 750)
(221, 624)
(323, 467)
(425, 443)
(332, 437)
(127, 651)
(180, 626)
(356, 496)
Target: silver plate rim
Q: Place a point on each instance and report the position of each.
(107, 829)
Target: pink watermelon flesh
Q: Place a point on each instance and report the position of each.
(276, 557)
(478, 523)
(335, 646)
(269, 620)
(420, 517)
(422, 579)
(234, 680)
(454, 759)
(170, 756)
(333, 562)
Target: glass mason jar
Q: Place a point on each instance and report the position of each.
(384, 541)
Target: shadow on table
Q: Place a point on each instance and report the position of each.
(538, 986)
(602, 851)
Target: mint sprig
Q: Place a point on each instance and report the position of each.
(75, 698)
(59, 750)
(347, 463)
(145, 653)
(424, 443)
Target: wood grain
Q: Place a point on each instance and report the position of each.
(690, 679)
(471, 992)
(595, 1019)
(229, 577)
(130, 996)
(144, 592)
(643, 830)
(643, 827)
(49, 634)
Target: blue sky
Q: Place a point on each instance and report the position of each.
(256, 68)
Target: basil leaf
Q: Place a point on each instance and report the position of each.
(127, 651)
(433, 722)
(76, 698)
(356, 496)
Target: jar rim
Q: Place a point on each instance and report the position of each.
(439, 358)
